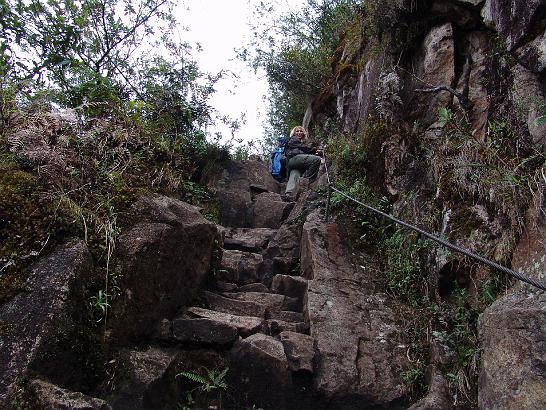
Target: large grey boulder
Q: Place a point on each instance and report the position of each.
(164, 259)
(46, 325)
(360, 353)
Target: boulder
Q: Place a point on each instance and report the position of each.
(512, 19)
(260, 373)
(149, 379)
(204, 331)
(47, 396)
(46, 325)
(435, 66)
(245, 325)
(299, 350)
(528, 91)
(512, 334)
(241, 267)
(164, 260)
(360, 348)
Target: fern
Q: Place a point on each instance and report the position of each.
(193, 377)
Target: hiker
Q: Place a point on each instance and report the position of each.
(302, 157)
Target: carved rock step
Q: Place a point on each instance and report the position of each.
(272, 302)
(245, 325)
(247, 239)
(233, 306)
(240, 267)
(204, 330)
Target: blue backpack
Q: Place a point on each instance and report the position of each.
(278, 161)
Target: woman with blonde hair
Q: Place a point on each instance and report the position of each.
(301, 158)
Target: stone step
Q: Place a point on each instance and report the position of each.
(299, 350)
(222, 286)
(252, 287)
(240, 267)
(204, 331)
(233, 306)
(247, 239)
(273, 302)
(287, 316)
(270, 210)
(246, 325)
(274, 327)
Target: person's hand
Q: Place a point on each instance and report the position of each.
(319, 152)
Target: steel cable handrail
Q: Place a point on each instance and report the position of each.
(441, 241)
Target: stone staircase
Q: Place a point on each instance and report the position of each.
(297, 324)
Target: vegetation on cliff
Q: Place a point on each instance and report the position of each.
(92, 115)
(469, 169)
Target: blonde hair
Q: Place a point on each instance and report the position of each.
(299, 127)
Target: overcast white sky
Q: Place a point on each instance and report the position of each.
(220, 26)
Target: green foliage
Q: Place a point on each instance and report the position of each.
(99, 304)
(403, 265)
(294, 48)
(414, 377)
(210, 386)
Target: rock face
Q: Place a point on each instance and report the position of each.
(246, 195)
(512, 19)
(170, 249)
(45, 323)
(435, 66)
(528, 91)
(357, 338)
(514, 352)
(512, 332)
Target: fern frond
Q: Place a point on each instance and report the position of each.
(193, 377)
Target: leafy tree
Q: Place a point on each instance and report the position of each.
(294, 49)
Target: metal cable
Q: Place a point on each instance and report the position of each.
(441, 241)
